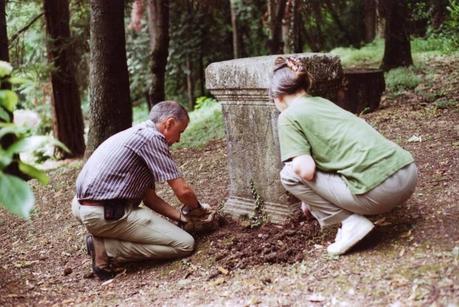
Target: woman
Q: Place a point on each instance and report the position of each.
(335, 163)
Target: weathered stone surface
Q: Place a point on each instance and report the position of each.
(251, 127)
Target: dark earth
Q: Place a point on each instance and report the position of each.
(410, 259)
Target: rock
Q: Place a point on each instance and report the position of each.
(67, 271)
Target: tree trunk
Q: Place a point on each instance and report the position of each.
(297, 27)
(369, 20)
(276, 11)
(236, 35)
(158, 26)
(110, 105)
(190, 82)
(339, 24)
(397, 49)
(438, 12)
(4, 54)
(66, 105)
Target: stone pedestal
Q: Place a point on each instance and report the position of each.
(250, 118)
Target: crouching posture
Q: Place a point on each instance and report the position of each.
(119, 175)
(335, 163)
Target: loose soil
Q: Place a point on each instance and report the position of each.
(410, 259)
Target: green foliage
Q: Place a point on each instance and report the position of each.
(206, 124)
(401, 79)
(444, 103)
(15, 194)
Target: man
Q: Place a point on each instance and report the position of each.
(120, 174)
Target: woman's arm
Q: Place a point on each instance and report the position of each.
(304, 166)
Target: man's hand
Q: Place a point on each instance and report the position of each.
(202, 211)
(201, 219)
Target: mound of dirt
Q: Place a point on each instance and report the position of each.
(237, 246)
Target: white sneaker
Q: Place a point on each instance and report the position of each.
(354, 228)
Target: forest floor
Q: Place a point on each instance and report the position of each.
(410, 259)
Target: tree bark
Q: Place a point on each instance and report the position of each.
(4, 54)
(190, 82)
(276, 11)
(439, 12)
(66, 105)
(369, 20)
(158, 26)
(397, 49)
(234, 25)
(339, 24)
(110, 105)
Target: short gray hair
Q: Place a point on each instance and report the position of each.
(165, 109)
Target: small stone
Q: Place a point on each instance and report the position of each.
(88, 275)
(67, 271)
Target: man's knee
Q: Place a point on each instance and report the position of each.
(185, 245)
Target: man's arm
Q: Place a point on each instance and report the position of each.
(184, 193)
(304, 166)
(157, 204)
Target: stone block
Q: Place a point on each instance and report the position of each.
(250, 119)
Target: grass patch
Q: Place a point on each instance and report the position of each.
(369, 55)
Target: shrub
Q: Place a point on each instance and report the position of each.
(400, 79)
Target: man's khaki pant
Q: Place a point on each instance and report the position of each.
(139, 234)
(330, 200)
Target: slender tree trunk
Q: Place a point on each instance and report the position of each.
(438, 12)
(236, 34)
(338, 22)
(369, 20)
(67, 117)
(4, 54)
(110, 105)
(190, 82)
(297, 27)
(158, 26)
(276, 11)
(317, 13)
(397, 49)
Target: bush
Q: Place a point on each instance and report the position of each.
(15, 139)
(400, 79)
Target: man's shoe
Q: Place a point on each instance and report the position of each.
(102, 273)
(354, 228)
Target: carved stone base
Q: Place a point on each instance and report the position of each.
(239, 207)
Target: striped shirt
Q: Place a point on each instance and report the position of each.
(125, 165)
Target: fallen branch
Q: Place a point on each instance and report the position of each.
(23, 29)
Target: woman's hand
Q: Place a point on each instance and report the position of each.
(304, 166)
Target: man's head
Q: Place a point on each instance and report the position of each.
(171, 119)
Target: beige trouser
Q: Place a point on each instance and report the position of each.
(330, 200)
(139, 234)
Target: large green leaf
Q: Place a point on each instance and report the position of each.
(16, 195)
(28, 144)
(4, 116)
(5, 69)
(33, 172)
(5, 159)
(7, 128)
(8, 99)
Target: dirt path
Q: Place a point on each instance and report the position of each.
(411, 259)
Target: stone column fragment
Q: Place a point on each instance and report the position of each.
(250, 118)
